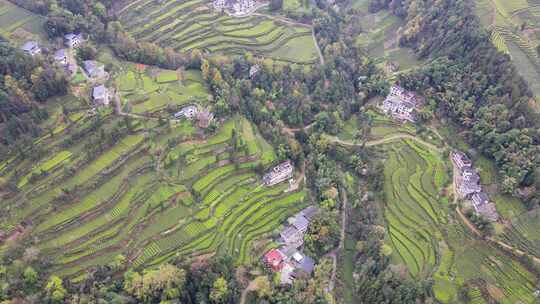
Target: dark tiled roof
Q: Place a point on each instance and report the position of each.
(307, 264)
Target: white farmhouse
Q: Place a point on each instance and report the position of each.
(95, 69)
(278, 174)
(72, 40)
(101, 96)
(400, 104)
(61, 57)
(189, 112)
(31, 48)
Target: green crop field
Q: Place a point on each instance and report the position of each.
(151, 90)
(128, 200)
(194, 24)
(426, 237)
(512, 25)
(20, 25)
(379, 38)
(523, 232)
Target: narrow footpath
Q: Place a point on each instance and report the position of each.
(385, 140)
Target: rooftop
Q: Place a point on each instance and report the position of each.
(300, 222)
(60, 54)
(99, 92)
(309, 212)
(306, 265)
(71, 36)
(289, 232)
(480, 198)
(29, 46)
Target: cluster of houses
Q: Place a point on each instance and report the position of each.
(288, 260)
(468, 187)
(278, 174)
(93, 70)
(235, 7)
(203, 115)
(401, 104)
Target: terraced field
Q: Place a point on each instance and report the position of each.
(151, 198)
(193, 24)
(19, 24)
(522, 232)
(414, 207)
(379, 37)
(514, 25)
(426, 237)
(151, 90)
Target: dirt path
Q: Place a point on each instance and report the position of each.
(321, 57)
(119, 111)
(292, 131)
(251, 287)
(385, 140)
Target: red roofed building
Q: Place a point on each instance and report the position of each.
(274, 258)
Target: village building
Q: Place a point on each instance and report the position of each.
(274, 259)
(304, 263)
(242, 7)
(221, 4)
(401, 104)
(287, 274)
(278, 174)
(204, 118)
(101, 96)
(460, 160)
(72, 40)
(299, 222)
(468, 186)
(31, 48)
(483, 207)
(309, 212)
(288, 260)
(61, 57)
(291, 235)
(253, 70)
(188, 112)
(95, 69)
(468, 182)
(235, 7)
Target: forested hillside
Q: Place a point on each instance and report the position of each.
(470, 81)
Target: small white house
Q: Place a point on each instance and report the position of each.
(254, 69)
(31, 48)
(73, 40)
(94, 69)
(61, 57)
(278, 174)
(101, 96)
(189, 112)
